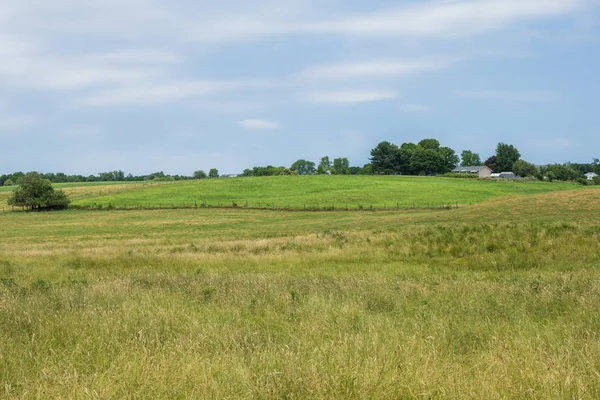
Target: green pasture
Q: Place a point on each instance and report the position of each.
(323, 192)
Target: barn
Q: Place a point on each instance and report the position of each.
(482, 171)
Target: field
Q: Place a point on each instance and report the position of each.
(82, 190)
(497, 300)
(296, 192)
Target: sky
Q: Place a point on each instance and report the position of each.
(181, 85)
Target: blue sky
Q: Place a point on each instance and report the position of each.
(181, 85)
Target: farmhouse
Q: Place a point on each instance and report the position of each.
(590, 176)
(482, 171)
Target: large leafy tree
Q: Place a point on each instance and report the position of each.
(384, 159)
(324, 166)
(200, 174)
(213, 173)
(506, 156)
(524, 169)
(341, 166)
(469, 159)
(304, 167)
(37, 193)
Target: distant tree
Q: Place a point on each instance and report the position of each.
(596, 166)
(450, 160)
(324, 166)
(384, 159)
(491, 163)
(430, 144)
(341, 166)
(200, 174)
(355, 170)
(213, 173)
(560, 172)
(304, 167)
(367, 169)
(524, 169)
(404, 158)
(247, 172)
(469, 159)
(426, 161)
(506, 156)
(37, 193)
(8, 182)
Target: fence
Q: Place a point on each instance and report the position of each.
(283, 206)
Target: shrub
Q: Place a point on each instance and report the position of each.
(460, 176)
(37, 193)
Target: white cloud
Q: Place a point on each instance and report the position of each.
(350, 96)
(147, 94)
(505, 95)
(259, 124)
(219, 23)
(377, 68)
(445, 19)
(415, 108)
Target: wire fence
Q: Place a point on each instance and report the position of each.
(272, 205)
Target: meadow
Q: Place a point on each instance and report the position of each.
(322, 191)
(497, 300)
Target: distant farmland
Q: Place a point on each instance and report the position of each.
(318, 192)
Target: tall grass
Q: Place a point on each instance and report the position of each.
(495, 301)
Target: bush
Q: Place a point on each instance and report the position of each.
(582, 181)
(596, 180)
(460, 176)
(37, 193)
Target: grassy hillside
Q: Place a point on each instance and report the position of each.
(498, 300)
(83, 190)
(323, 191)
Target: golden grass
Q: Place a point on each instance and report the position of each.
(468, 303)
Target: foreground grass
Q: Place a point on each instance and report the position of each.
(325, 191)
(495, 301)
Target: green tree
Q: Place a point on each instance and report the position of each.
(596, 166)
(506, 156)
(470, 159)
(304, 167)
(213, 173)
(341, 166)
(200, 174)
(324, 166)
(37, 193)
(384, 159)
(524, 169)
(450, 160)
(8, 182)
(367, 169)
(430, 144)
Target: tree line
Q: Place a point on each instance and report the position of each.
(427, 157)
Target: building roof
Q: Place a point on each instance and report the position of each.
(473, 170)
(592, 174)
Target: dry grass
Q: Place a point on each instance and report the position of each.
(468, 303)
